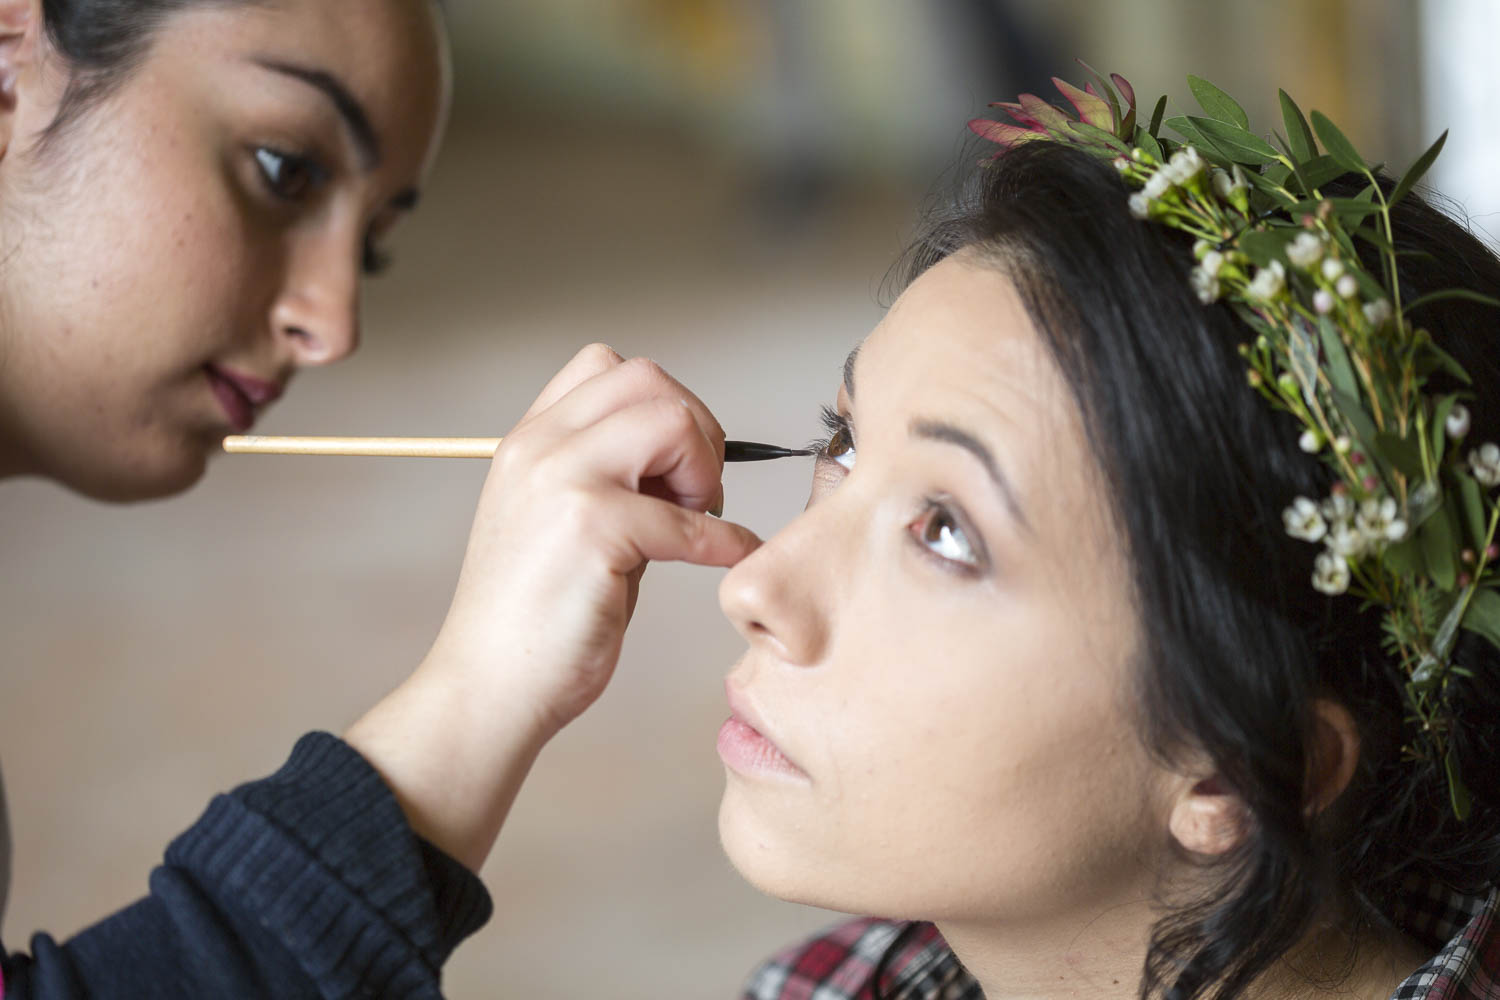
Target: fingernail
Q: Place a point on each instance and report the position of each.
(717, 510)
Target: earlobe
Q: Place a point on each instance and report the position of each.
(1332, 757)
(1209, 819)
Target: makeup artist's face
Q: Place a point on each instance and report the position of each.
(179, 251)
(939, 644)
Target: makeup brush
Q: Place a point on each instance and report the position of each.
(734, 451)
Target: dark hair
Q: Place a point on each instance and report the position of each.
(1236, 643)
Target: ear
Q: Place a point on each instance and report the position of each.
(1332, 756)
(20, 25)
(1208, 818)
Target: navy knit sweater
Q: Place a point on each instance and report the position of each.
(308, 883)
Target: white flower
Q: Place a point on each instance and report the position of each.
(1305, 251)
(1330, 574)
(1333, 268)
(1378, 312)
(1201, 247)
(1211, 262)
(1345, 540)
(1159, 184)
(1323, 302)
(1184, 165)
(1484, 462)
(1268, 282)
(1378, 522)
(1304, 521)
(1457, 424)
(1342, 444)
(1122, 164)
(1347, 287)
(1227, 186)
(1205, 285)
(1140, 205)
(1338, 509)
(1310, 441)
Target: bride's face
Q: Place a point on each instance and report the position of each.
(940, 645)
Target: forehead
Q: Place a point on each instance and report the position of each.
(391, 55)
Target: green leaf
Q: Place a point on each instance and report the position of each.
(1298, 136)
(1276, 173)
(1265, 245)
(1319, 171)
(1447, 362)
(1471, 499)
(1416, 170)
(1156, 115)
(1354, 414)
(1094, 134)
(1437, 439)
(1345, 208)
(1146, 141)
(1483, 616)
(1457, 793)
(1216, 103)
(1451, 293)
(1405, 455)
(1404, 558)
(1437, 549)
(1240, 145)
(1105, 90)
(1205, 145)
(1339, 147)
(1340, 370)
(1271, 188)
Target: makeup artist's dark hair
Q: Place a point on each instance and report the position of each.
(1236, 643)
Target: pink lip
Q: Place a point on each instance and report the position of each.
(240, 395)
(744, 747)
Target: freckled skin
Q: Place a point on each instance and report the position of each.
(144, 244)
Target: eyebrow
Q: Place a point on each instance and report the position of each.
(849, 370)
(937, 430)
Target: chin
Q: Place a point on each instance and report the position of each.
(151, 477)
(774, 861)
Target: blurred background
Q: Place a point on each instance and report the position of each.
(719, 184)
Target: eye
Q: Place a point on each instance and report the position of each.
(375, 261)
(288, 176)
(940, 531)
(838, 446)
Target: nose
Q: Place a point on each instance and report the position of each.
(317, 310)
(781, 597)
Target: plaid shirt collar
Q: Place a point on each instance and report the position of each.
(840, 964)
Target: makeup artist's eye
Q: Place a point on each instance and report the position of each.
(288, 176)
(939, 531)
(838, 446)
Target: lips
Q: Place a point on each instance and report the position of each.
(240, 395)
(745, 748)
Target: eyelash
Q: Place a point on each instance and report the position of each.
(933, 507)
(372, 260)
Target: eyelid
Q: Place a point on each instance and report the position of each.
(932, 505)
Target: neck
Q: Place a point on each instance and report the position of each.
(1100, 956)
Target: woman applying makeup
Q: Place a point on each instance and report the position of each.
(190, 191)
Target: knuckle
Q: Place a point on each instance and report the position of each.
(649, 374)
(598, 356)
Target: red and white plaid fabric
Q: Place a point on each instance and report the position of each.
(841, 964)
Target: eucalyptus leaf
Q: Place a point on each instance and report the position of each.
(1271, 188)
(1471, 499)
(1416, 170)
(1451, 293)
(1217, 104)
(1423, 502)
(1298, 136)
(1437, 549)
(1241, 145)
(1146, 141)
(1303, 355)
(1203, 143)
(1156, 115)
(1351, 209)
(1354, 414)
(1405, 558)
(1483, 616)
(1276, 173)
(1265, 245)
(1458, 794)
(1338, 146)
(1340, 370)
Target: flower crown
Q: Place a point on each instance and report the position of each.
(1409, 525)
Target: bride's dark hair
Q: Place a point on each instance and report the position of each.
(1237, 643)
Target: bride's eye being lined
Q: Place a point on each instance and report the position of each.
(838, 446)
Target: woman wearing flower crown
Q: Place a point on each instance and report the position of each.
(1052, 672)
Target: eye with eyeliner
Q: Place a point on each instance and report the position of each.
(293, 178)
(839, 441)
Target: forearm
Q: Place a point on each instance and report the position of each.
(455, 754)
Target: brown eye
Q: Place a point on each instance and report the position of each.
(840, 448)
(289, 177)
(939, 532)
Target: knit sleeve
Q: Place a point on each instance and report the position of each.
(308, 883)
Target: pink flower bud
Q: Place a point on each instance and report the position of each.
(1370, 482)
(1358, 458)
(1467, 556)
(1464, 579)
(1340, 489)
(1492, 552)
